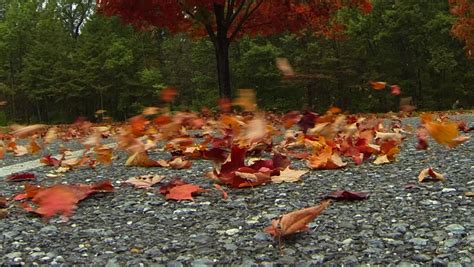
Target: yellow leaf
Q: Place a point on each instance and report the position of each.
(288, 175)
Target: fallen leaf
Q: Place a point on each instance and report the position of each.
(295, 221)
(381, 159)
(347, 195)
(141, 159)
(18, 177)
(59, 198)
(179, 163)
(288, 175)
(429, 174)
(144, 181)
(469, 194)
(180, 190)
(51, 161)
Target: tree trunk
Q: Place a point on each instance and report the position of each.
(223, 70)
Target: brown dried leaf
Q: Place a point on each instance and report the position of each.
(288, 175)
(295, 221)
(429, 174)
(144, 181)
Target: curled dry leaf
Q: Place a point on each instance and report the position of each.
(347, 195)
(288, 175)
(18, 177)
(295, 221)
(144, 181)
(179, 163)
(141, 159)
(381, 159)
(429, 174)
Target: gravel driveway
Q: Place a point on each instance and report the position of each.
(423, 224)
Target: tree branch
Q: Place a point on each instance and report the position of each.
(248, 13)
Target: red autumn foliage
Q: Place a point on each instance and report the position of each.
(59, 198)
(463, 29)
(225, 21)
(239, 16)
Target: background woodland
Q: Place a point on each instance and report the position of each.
(60, 59)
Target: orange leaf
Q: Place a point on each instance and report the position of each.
(104, 154)
(296, 221)
(141, 159)
(445, 133)
(60, 198)
(180, 190)
(378, 85)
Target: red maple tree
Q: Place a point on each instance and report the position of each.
(463, 29)
(224, 21)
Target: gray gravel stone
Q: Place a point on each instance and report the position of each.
(419, 241)
(455, 229)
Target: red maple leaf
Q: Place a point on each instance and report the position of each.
(59, 198)
(180, 190)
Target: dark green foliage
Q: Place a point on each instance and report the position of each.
(59, 60)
